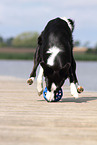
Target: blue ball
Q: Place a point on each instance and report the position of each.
(57, 97)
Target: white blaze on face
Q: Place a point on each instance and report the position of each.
(53, 51)
(50, 95)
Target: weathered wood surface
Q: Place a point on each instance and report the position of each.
(26, 119)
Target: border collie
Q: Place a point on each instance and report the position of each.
(54, 53)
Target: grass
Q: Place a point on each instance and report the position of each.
(29, 56)
(85, 56)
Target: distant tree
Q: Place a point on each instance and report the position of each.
(2, 42)
(93, 50)
(9, 41)
(86, 44)
(95, 47)
(27, 39)
(1, 39)
(77, 43)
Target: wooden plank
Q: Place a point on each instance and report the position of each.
(27, 119)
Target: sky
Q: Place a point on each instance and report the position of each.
(18, 16)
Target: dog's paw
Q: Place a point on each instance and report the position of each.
(80, 89)
(30, 80)
(40, 93)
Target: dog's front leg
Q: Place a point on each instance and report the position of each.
(40, 81)
(73, 90)
(36, 63)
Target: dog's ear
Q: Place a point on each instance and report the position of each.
(65, 70)
(47, 69)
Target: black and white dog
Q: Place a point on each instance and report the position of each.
(55, 56)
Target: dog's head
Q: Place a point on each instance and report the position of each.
(54, 79)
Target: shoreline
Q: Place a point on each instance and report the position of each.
(65, 87)
(80, 54)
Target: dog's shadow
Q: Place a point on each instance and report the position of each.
(78, 100)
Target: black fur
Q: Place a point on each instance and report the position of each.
(56, 33)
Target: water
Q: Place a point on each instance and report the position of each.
(86, 71)
(87, 75)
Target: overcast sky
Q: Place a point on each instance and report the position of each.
(17, 16)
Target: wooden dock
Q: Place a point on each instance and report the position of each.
(27, 119)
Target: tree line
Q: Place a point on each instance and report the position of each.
(23, 40)
(92, 50)
(29, 40)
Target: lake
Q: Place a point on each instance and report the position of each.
(86, 71)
